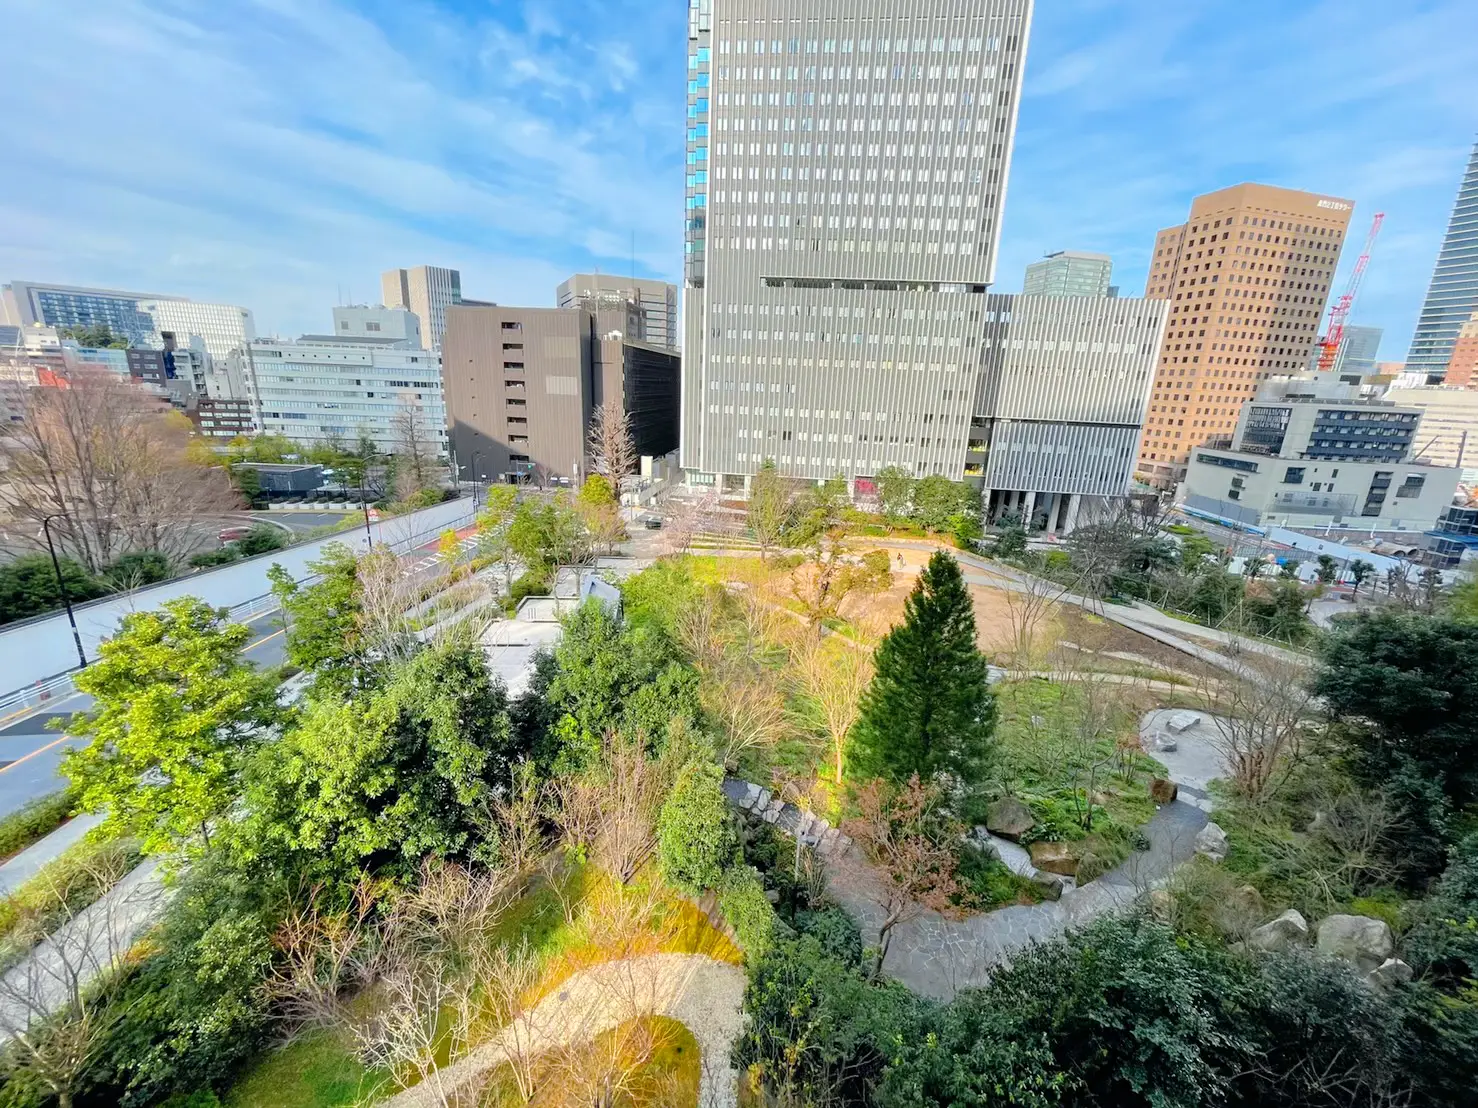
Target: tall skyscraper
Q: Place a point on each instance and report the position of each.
(1069, 273)
(656, 301)
(33, 303)
(1452, 297)
(428, 291)
(1246, 279)
(846, 172)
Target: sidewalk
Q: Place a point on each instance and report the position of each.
(26, 864)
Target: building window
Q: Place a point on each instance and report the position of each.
(1412, 487)
(509, 325)
(1293, 475)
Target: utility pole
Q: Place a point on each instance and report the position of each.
(61, 587)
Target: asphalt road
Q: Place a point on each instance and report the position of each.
(31, 752)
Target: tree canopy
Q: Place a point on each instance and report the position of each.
(929, 709)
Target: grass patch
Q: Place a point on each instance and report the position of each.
(34, 822)
(657, 1058)
(315, 1070)
(75, 879)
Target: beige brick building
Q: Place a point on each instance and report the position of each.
(1247, 278)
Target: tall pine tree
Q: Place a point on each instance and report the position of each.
(929, 709)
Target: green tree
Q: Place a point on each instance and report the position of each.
(608, 677)
(1328, 569)
(97, 336)
(178, 712)
(695, 830)
(937, 499)
(323, 619)
(493, 526)
(262, 538)
(596, 492)
(1360, 570)
(28, 586)
(379, 781)
(140, 568)
(248, 482)
(818, 512)
(1010, 537)
(895, 493)
(771, 507)
(929, 709)
(1278, 611)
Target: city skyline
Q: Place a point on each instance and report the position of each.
(377, 172)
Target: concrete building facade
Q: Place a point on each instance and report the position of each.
(1311, 452)
(221, 328)
(1246, 278)
(1357, 354)
(1449, 425)
(1462, 363)
(523, 383)
(426, 290)
(1069, 273)
(323, 387)
(846, 172)
(1452, 297)
(653, 304)
(363, 322)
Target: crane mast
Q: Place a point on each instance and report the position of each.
(1339, 312)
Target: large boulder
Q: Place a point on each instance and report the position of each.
(1393, 971)
(1286, 931)
(1051, 884)
(1009, 818)
(1161, 905)
(1211, 842)
(1054, 858)
(1361, 940)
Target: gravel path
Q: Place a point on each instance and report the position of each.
(703, 994)
(938, 957)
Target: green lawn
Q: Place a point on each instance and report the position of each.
(315, 1070)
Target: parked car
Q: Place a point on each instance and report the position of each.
(231, 534)
(652, 523)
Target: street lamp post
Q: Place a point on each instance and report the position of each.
(61, 586)
(476, 465)
(363, 503)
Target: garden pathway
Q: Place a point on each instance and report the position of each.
(937, 956)
(703, 994)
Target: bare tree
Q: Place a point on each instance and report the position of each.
(387, 591)
(909, 845)
(1261, 723)
(58, 1006)
(111, 469)
(415, 449)
(516, 821)
(324, 955)
(747, 705)
(612, 451)
(835, 677)
(1029, 601)
(611, 808)
(508, 974)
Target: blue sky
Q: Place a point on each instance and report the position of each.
(280, 153)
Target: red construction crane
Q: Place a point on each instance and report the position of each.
(1339, 312)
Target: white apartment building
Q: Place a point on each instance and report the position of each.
(1449, 428)
(221, 328)
(326, 387)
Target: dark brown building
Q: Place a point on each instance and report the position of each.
(523, 383)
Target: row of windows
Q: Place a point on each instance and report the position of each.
(863, 73)
(856, 150)
(839, 363)
(846, 246)
(974, 44)
(808, 124)
(843, 99)
(851, 199)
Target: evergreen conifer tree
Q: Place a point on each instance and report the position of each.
(929, 709)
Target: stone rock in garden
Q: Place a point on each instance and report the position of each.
(1178, 723)
(1245, 900)
(1393, 971)
(772, 811)
(828, 840)
(1054, 858)
(1211, 842)
(772, 895)
(1364, 941)
(751, 795)
(1051, 885)
(761, 800)
(1009, 818)
(1160, 905)
(1287, 930)
(1163, 790)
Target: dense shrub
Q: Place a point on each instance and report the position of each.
(741, 899)
(835, 930)
(34, 821)
(695, 830)
(28, 586)
(143, 567)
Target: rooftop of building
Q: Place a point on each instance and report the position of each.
(1085, 255)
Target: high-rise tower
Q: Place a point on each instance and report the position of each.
(847, 168)
(1246, 279)
(1452, 297)
(428, 291)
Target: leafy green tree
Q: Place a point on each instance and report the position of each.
(323, 619)
(1278, 611)
(937, 499)
(817, 512)
(609, 677)
(895, 493)
(1442, 943)
(379, 781)
(596, 492)
(1328, 569)
(1010, 537)
(140, 568)
(1360, 571)
(965, 529)
(262, 538)
(178, 713)
(695, 830)
(248, 482)
(548, 532)
(929, 709)
(771, 507)
(28, 586)
(97, 336)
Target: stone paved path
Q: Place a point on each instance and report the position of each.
(938, 957)
(703, 994)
